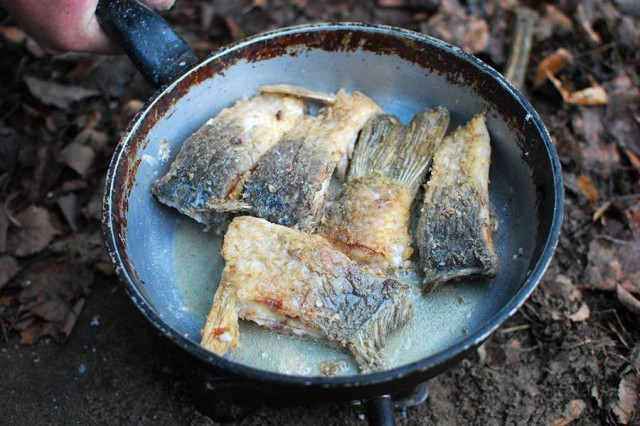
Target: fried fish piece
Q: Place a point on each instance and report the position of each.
(454, 228)
(290, 182)
(296, 282)
(370, 220)
(207, 176)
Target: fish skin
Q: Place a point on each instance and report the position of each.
(370, 220)
(296, 282)
(454, 228)
(206, 178)
(288, 187)
(289, 184)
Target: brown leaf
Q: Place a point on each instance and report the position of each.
(610, 265)
(14, 35)
(587, 188)
(8, 269)
(591, 96)
(452, 25)
(627, 399)
(53, 292)
(582, 314)
(56, 94)
(45, 175)
(572, 411)
(551, 64)
(598, 153)
(18, 36)
(35, 234)
(36, 331)
(78, 157)
(67, 204)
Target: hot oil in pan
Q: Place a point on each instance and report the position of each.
(446, 315)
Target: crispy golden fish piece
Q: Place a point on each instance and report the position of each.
(207, 176)
(454, 229)
(296, 282)
(290, 182)
(370, 220)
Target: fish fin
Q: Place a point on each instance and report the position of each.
(400, 154)
(395, 309)
(376, 146)
(287, 89)
(221, 328)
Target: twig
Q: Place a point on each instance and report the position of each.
(72, 317)
(613, 240)
(604, 342)
(515, 328)
(521, 46)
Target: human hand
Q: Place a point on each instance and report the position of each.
(67, 25)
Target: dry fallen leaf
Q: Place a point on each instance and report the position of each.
(67, 204)
(53, 292)
(581, 314)
(610, 265)
(35, 233)
(627, 399)
(591, 96)
(13, 34)
(56, 94)
(552, 63)
(587, 188)
(572, 411)
(8, 269)
(454, 26)
(78, 157)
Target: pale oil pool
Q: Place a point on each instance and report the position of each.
(444, 316)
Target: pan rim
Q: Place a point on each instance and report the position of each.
(421, 367)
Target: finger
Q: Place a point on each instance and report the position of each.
(159, 4)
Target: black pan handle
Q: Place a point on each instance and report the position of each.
(380, 411)
(153, 46)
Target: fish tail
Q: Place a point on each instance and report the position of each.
(400, 154)
(376, 146)
(394, 311)
(422, 136)
(221, 328)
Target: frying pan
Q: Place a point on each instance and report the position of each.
(404, 72)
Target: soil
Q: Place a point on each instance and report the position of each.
(75, 350)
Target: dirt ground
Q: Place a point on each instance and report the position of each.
(74, 349)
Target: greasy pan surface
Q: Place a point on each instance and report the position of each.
(404, 72)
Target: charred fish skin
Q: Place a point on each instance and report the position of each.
(296, 282)
(454, 228)
(370, 220)
(290, 182)
(206, 178)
